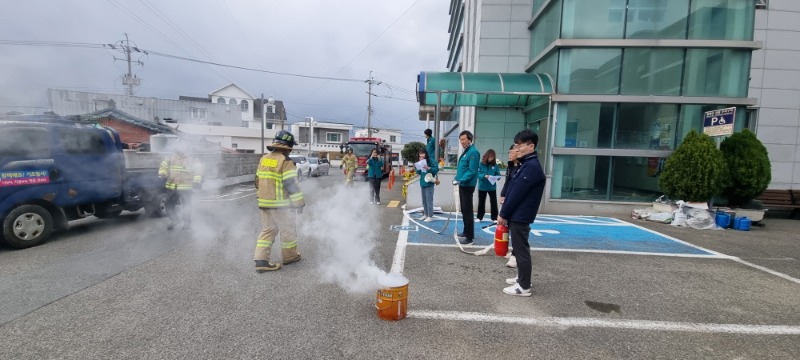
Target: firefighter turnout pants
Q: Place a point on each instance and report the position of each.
(273, 223)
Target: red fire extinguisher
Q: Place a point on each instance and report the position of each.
(501, 240)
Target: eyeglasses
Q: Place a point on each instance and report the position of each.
(518, 146)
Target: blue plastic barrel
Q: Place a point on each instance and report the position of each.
(722, 219)
(742, 223)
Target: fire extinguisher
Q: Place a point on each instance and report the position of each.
(501, 240)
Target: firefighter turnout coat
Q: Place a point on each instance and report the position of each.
(276, 181)
(181, 172)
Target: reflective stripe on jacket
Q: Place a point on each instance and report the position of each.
(181, 172)
(276, 181)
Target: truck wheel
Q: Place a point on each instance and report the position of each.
(27, 226)
(158, 206)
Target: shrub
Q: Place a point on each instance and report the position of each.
(695, 171)
(749, 169)
(411, 151)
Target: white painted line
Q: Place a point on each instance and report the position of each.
(621, 252)
(399, 260)
(231, 199)
(767, 270)
(566, 323)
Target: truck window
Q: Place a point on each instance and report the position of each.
(27, 142)
(83, 142)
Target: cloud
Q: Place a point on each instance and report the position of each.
(345, 38)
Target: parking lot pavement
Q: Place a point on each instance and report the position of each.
(603, 272)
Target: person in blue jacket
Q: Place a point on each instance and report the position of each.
(488, 167)
(374, 176)
(523, 196)
(427, 187)
(466, 179)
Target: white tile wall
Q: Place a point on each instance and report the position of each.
(782, 59)
(778, 117)
(780, 153)
(779, 135)
(780, 99)
(782, 79)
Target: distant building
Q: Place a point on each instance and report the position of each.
(230, 115)
(326, 139)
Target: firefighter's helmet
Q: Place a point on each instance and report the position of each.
(283, 140)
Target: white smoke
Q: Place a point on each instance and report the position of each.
(346, 228)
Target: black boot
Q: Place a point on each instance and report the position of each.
(264, 265)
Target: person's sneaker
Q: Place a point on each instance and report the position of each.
(371, 202)
(461, 235)
(428, 219)
(378, 203)
(464, 241)
(171, 226)
(292, 260)
(512, 262)
(264, 265)
(511, 281)
(517, 290)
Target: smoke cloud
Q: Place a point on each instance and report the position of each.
(347, 229)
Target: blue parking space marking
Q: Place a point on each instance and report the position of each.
(580, 233)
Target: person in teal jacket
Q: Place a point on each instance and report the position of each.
(488, 167)
(374, 176)
(467, 178)
(430, 145)
(426, 187)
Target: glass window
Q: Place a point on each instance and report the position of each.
(392, 138)
(333, 137)
(656, 19)
(716, 72)
(589, 71)
(25, 142)
(245, 105)
(545, 31)
(721, 20)
(270, 125)
(220, 100)
(82, 142)
(585, 125)
(652, 71)
(548, 65)
(630, 179)
(232, 102)
(646, 126)
(595, 19)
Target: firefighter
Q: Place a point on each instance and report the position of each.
(280, 200)
(349, 162)
(183, 175)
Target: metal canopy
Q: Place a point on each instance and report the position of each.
(482, 89)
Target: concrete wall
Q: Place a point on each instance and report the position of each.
(775, 81)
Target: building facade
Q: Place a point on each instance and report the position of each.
(320, 139)
(390, 136)
(631, 78)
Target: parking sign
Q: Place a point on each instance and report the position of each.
(719, 122)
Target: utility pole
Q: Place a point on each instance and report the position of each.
(128, 79)
(369, 103)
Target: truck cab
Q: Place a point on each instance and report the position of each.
(54, 172)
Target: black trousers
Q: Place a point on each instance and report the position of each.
(492, 203)
(518, 232)
(375, 189)
(183, 198)
(465, 198)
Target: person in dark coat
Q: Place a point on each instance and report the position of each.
(523, 196)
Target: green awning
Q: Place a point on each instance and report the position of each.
(482, 89)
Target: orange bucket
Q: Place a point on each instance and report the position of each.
(392, 297)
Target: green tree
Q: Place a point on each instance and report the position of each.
(695, 171)
(411, 151)
(749, 169)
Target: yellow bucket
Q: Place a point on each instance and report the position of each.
(392, 297)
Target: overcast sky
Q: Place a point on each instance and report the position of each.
(395, 39)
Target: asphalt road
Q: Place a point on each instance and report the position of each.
(128, 288)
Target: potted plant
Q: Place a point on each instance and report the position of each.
(749, 173)
(695, 171)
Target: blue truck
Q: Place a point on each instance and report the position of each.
(56, 171)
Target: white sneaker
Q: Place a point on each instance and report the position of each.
(517, 290)
(422, 218)
(511, 281)
(428, 219)
(512, 262)
(371, 202)
(378, 202)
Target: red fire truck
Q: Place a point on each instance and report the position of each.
(362, 148)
